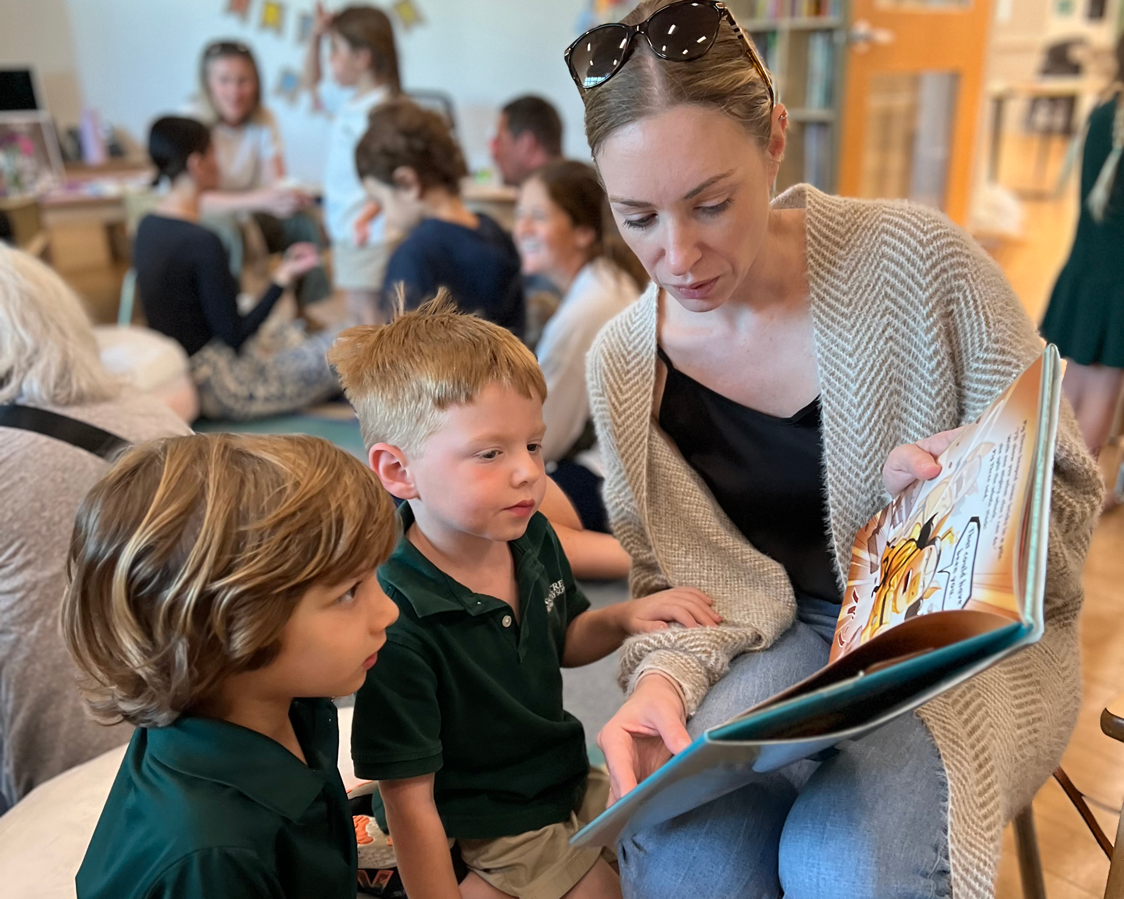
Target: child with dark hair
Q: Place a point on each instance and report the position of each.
(411, 165)
(188, 293)
(364, 66)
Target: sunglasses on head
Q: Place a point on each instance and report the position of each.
(681, 31)
(226, 48)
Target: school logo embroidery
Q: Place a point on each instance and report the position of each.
(556, 590)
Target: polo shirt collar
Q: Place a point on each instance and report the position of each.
(408, 569)
(252, 763)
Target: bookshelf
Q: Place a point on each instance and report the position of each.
(803, 43)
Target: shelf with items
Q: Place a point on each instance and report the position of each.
(749, 12)
(801, 42)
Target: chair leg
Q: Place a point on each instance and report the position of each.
(1030, 864)
(1114, 889)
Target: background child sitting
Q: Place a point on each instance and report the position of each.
(411, 166)
(215, 579)
(464, 727)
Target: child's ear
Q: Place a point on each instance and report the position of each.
(406, 181)
(389, 463)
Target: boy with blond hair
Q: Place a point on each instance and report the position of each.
(464, 727)
(220, 584)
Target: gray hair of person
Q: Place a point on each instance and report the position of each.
(48, 353)
(725, 80)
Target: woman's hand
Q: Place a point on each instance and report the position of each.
(300, 259)
(685, 605)
(284, 202)
(916, 461)
(644, 733)
(323, 22)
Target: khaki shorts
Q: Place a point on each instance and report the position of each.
(541, 864)
(359, 268)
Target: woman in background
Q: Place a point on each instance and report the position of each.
(189, 294)
(49, 369)
(1085, 317)
(565, 233)
(251, 162)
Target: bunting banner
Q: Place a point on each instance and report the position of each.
(273, 16)
(408, 14)
(240, 8)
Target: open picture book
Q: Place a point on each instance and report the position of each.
(944, 582)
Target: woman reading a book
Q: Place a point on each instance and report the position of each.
(796, 362)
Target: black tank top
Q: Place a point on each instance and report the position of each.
(765, 472)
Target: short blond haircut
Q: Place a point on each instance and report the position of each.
(401, 377)
(190, 555)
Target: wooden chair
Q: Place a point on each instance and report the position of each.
(1112, 723)
(1026, 842)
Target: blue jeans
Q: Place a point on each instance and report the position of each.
(871, 821)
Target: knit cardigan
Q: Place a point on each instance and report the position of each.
(916, 332)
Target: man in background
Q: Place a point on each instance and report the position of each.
(529, 135)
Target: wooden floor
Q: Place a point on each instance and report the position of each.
(1074, 866)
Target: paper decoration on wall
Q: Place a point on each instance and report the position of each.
(408, 14)
(273, 15)
(289, 85)
(600, 12)
(305, 23)
(240, 8)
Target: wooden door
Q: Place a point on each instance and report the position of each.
(914, 84)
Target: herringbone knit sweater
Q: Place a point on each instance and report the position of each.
(916, 331)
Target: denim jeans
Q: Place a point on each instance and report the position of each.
(871, 821)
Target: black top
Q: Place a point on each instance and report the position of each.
(186, 288)
(480, 267)
(206, 808)
(469, 691)
(765, 472)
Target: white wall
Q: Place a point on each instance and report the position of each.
(134, 60)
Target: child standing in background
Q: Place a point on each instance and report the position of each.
(1085, 317)
(363, 60)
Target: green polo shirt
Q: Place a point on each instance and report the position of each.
(464, 690)
(208, 808)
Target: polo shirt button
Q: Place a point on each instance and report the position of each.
(507, 621)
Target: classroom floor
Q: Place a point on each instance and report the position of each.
(1074, 866)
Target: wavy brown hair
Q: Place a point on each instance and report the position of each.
(724, 79)
(188, 558)
(402, 134)
(575, 188)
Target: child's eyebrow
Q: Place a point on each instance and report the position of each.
(491, 437)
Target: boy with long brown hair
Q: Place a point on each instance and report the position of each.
(220, 585)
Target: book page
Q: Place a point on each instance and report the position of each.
(952, 542)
